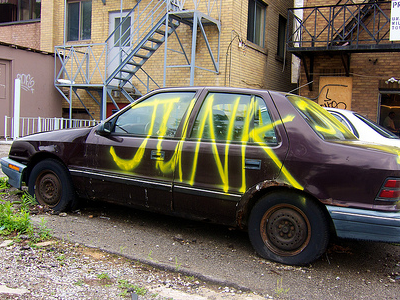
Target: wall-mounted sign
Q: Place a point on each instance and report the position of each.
(335, 92)
(395, 21)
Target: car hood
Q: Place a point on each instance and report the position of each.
(63, 135)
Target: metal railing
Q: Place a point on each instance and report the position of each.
(363, 26)
(29, 125)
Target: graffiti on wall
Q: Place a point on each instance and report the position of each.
(335, 92)
(27, 82)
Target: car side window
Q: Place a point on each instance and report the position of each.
(222, 117)
(264, 129)
(158, 115)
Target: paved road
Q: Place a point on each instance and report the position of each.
(349, 269)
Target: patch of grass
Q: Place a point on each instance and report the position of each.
(128, 288)
(14, 220)
(15, 216)
(103, 276)
(79, 283)
(177, 265)
(43, 232)
(279, 290)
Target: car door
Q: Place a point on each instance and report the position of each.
(232, 145)
(133, 162)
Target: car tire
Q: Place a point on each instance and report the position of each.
(289, 228)
(51, 184)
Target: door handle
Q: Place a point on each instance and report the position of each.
(252, 164)
(157, 155)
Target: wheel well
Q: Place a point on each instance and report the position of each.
(38, 157)
(259, 194)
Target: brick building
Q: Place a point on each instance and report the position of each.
(347, 59)
(234, 43)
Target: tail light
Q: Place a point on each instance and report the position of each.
(390, 191)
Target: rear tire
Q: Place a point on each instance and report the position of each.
(289, 228)
(51, 184)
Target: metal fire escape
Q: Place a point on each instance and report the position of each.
(339, 30)
(117, 66)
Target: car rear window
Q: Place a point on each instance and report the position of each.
(379, 129)
(321, 121)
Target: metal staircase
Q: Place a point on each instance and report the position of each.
(117, 65)
(140, 54)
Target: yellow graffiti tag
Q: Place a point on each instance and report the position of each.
(206, 124)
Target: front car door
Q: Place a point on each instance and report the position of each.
(134, 163)
(236, 141)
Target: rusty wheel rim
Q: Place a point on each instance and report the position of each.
(48, 189)
(285, 230)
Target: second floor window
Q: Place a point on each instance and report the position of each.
(256, 22)
(18, 11)
(79, 25)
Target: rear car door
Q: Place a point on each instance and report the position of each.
(134, 163)
(235, 141)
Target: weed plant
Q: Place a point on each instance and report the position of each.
(15, 218)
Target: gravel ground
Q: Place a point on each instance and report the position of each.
(60, 270)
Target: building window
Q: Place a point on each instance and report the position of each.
(79, 24)
(256, 22)
(19, 10)
(124, 29)
(281, 37)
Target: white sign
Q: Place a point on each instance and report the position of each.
(395, 21)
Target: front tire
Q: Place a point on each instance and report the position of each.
(51, 185)
(289, 228)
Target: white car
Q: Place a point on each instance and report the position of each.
(365, 129)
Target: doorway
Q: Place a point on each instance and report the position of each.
(120, 42)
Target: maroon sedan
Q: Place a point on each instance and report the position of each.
(274, 163)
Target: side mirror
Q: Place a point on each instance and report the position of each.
(104, 129)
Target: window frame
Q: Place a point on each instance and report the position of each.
(81, 36)
(253, 22)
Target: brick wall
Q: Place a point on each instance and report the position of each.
(23, 34)
(247, 65)
(366, 69)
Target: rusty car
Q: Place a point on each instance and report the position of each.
(272, 163)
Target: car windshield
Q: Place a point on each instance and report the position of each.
(379, 129)
(321, 121)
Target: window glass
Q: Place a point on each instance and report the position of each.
(159, 115)
(79, 20)
(379, 129)
(264, 129)
(223, 117)
(321, 121)
(281, 37)
(124, 29)
(256, 22)
(86, 20)
(73, 21)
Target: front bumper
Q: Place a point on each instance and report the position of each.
(14, 170)
(364, 224)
